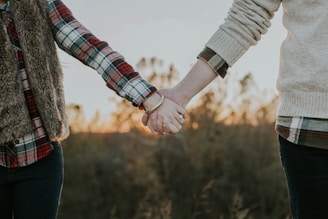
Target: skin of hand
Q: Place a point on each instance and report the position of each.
(165, 118)
(153, 120)
(199, 76)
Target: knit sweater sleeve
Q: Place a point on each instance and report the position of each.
(247, 20)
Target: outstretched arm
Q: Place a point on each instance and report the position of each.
(79, 42)
(247, 20)
(199, 76)
(76, 40)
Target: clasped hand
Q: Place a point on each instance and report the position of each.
(168, 118)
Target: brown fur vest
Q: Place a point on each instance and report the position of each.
(44, 75)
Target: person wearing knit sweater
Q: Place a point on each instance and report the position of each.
(302, 116)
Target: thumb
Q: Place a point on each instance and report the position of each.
(145, 119)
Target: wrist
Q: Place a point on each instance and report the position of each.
(153, 102)
(180, 97)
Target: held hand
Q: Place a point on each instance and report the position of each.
(169, 94)
(182, 93)
(167, 118)
(173, 95)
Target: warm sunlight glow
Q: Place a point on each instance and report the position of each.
(195, 125)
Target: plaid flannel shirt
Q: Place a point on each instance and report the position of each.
(311, 132)
(76, 40)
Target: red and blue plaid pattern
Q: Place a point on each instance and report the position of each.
(76, 40)
(79, 42)
(35, 146)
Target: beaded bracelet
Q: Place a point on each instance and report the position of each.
(156, 106)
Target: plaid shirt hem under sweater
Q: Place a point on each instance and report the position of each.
(77, 41)
(311, 132)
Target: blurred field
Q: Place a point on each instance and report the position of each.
(223, 165)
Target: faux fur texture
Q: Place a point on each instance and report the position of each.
(44, 75)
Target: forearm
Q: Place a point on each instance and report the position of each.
(242, 29)
(79, 42)
(199, 76)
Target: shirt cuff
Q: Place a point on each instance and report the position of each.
(215, 61)
(137, 90)
(133, 88)
(142, 98)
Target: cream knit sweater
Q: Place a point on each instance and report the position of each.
(303, 76)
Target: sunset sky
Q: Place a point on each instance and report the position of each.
(172, 30)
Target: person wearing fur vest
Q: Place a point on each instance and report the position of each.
(33, 120)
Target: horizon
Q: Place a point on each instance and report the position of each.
(174, 32)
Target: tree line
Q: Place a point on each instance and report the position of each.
(223, 165)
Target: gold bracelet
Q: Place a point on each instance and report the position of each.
(156, 106)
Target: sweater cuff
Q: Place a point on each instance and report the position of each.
(215, 61)
(226, 46)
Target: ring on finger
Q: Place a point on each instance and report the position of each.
(180, 119)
